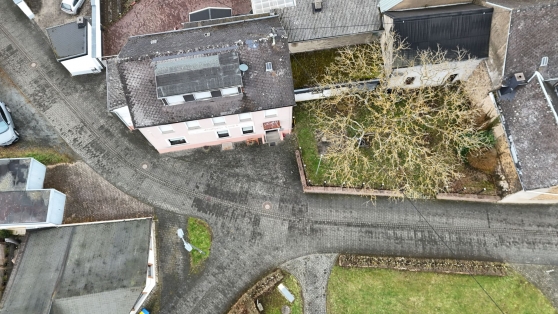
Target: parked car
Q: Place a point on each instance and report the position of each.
(71, 6)
(8, 135)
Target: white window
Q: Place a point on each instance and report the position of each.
(177, 141)
(271, 113)
(223, 133)
(202, 95)
(229, 91)
(166, 129)
(174, 100)
(218, 120)
(193, 125)
(245, 116)
(247, 130)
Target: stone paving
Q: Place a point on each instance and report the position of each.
(228, 190)
(89, 197)
(312, 272)
(145, 18)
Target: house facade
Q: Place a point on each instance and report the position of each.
(226, 82)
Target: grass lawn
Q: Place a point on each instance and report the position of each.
(306, 140)
(199, 234)
(273, 301)
(359, 290)
(46, 156)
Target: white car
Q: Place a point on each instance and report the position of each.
(8, 135)
(71, 6)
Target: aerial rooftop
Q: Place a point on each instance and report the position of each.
(336, 18)
(196, 61)
(98, 268)
(531, 122)
(68, 40)
(466, 26)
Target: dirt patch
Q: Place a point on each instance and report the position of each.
(246, 304)
(484, 160)
(448, 266)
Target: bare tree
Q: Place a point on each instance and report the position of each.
(413, 138)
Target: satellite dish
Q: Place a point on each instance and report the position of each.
(243, 67)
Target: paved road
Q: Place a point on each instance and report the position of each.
(228, 190)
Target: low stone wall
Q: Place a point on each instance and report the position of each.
(389, 193)
(447, 266)
(247, 302)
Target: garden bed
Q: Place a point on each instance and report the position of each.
(448, 266)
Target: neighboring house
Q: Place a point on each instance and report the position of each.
(24, 203)
(523, 63)
(209, 85)
(324, 24)
(450, 27)
(77, 46)
(106, 267)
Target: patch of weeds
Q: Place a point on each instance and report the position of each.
(46, 156)
(199, 235)
(274, 300)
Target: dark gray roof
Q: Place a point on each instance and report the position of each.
(115, 92)
(250, 39)
(530, 122)
(532, 36)
(98, 268)
(13, 174)
(24, 206)
(68, 41)
(337, 18)
(195, 73)
(466, 26)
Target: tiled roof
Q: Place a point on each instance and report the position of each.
(250, 39)
(532, 126)
(98, 268)
(532, 36)
(337, 18)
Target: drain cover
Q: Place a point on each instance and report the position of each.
(267, 205)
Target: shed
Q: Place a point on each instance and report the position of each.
(24, 203)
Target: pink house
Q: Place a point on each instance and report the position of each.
(227, 82)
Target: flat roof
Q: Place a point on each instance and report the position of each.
(14, 173)
(24, 206)
(68, 41)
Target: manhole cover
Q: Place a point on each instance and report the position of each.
(145, 166)
(33, 64)
(267, 205)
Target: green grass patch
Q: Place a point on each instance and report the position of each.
(199, 234)
(305, 134)
(309, 67)
(359, 290)
(46, 156)
(274, 300)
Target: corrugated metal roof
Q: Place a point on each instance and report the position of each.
(385, 5)
(465, 26)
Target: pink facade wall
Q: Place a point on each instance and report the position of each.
(206, 134)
